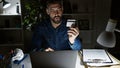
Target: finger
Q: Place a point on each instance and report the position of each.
(70, 32)
(46, 50)
(73, 31)
(76, 30)
(50, 49)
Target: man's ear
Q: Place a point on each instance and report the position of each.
(47, 11)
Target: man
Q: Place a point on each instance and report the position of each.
(52, 34)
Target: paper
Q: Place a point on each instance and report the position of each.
(96, 56)
(115, 62)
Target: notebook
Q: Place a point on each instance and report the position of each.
(56, 59)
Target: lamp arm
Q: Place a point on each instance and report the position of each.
(117, 30)
(1, 1)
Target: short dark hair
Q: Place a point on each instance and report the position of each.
(49, 2)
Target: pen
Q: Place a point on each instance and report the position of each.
(96, 60)
(22, 65)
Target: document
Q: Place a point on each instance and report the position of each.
(96, 56)
(115, 62)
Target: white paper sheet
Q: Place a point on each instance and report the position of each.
(102, 54)
(115, 62)
(96, 56)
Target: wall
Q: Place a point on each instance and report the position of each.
(102, 14)
(97, 12)
(10, 10)
(98, 18)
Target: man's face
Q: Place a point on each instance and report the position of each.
(55, 12)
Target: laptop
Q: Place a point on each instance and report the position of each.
(56, 59)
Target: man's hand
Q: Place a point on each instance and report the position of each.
(49, 49)
(72, 34)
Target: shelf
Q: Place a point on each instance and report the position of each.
(90, 30)
(10, 28)
(82, 13)
(10, 14)
(12, 44)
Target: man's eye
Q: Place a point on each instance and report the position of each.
(55, 9)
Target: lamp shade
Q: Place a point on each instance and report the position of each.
(6, 4)
(107, 38)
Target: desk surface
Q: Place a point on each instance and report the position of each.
(26, 63)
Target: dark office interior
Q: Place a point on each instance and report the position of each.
(17, 25)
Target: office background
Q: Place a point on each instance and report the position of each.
(92, 16)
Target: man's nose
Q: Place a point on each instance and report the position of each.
(56, 13)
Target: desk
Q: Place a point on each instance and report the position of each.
(27, 63)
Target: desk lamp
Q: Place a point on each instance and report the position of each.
(5, 4)
(107, 38)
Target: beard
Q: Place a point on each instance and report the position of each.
(56, 19)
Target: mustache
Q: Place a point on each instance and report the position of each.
(57, 16)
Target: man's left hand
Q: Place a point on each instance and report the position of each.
(72, 34)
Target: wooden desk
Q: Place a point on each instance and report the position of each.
(27, 63)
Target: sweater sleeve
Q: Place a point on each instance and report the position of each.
(36, 39)
(76, 45)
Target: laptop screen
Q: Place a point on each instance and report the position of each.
(56, 59)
